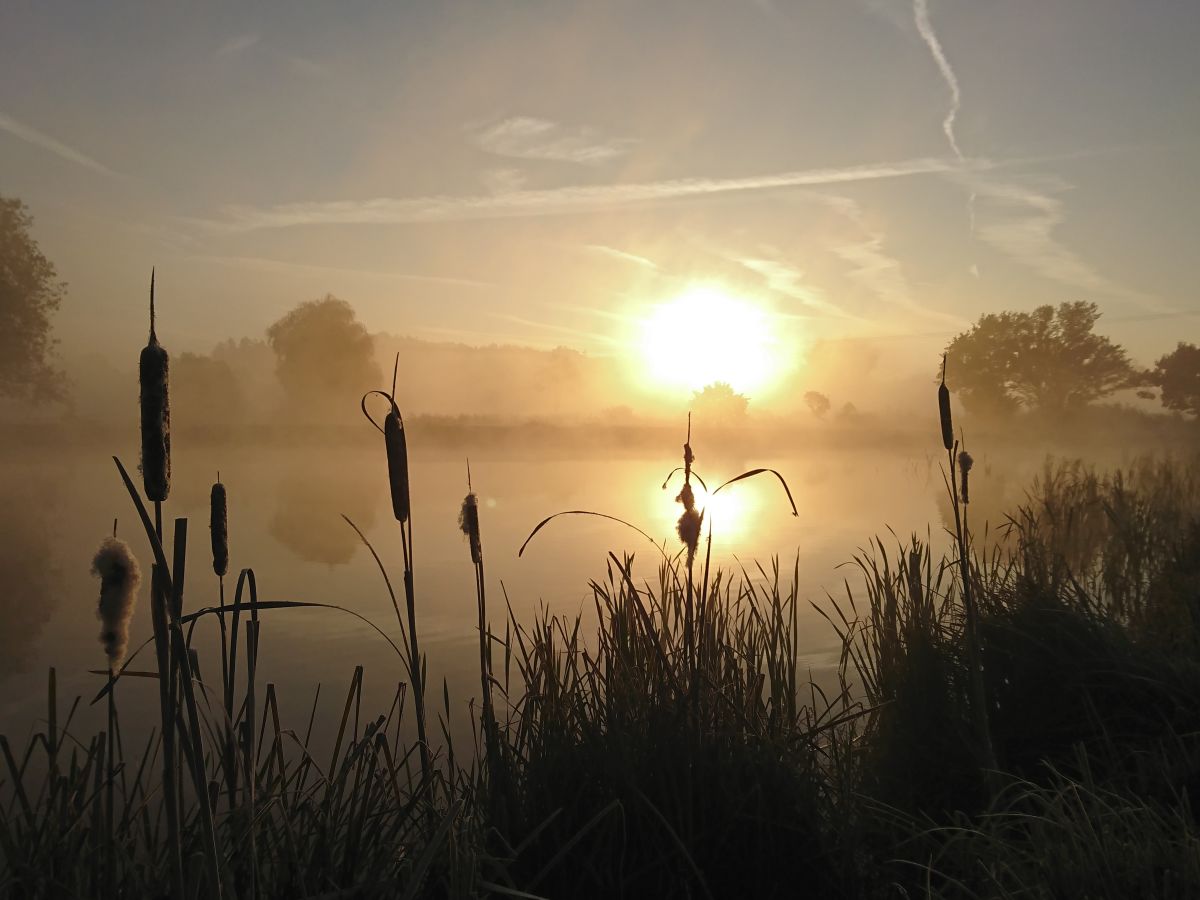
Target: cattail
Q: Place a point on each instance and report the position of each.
(397, 461)
(218, 525)
(944, 410)
(688, 528)
(468, 521)
(156, 414)
(120, 575)
(964, 466)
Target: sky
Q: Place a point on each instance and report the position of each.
(547, 173)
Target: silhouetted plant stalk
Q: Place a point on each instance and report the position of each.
(153, 379)
(961, 463)
(689, 526)
(468, 522)
(396, 447)
(120, 576)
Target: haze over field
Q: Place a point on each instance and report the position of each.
(851, 183)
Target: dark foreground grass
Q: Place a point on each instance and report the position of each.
(674, 748)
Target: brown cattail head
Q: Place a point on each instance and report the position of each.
(120, 575)
(218, 526)
(397, 460)
(468, 521)
(153, 374)
(944, 410)
(396, 444)
(965, 462)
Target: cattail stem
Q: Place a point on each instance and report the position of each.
(416, 668)
(983, 731)
(162, 647)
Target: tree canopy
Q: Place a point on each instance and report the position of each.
(719, 404)
(324, 357)
(818, 404)
(1178, 377)
(1047, 360)
(30, 294)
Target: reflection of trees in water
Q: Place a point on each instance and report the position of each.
(308, 515)
(32, 582)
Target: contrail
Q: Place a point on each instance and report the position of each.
(925, 28)
(46, 142)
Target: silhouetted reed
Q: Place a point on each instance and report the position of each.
(153, 378)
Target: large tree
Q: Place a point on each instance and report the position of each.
(30, 293)
(719, 404)
(1047, 360)
(1178, 377)
(324, 357)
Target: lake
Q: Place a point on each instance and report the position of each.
(285, 520)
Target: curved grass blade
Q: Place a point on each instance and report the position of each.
(585, 512)
(263, 604)
(671, 475)
(754, 472)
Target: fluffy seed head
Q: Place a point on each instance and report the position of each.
(397, 460)
(218, 525)
(965, 462)
(153, 372)
(117, 568)
(468, 521)
(688, 528)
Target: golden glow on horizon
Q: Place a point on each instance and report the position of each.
(729, 512)
(707, 335)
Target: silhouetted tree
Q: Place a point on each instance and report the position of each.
(30, 293)
(719, 404)
(324, 357)
(1047, 360)
(1178, 377)
(205, 391)
(818, 403)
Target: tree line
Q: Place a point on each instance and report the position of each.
(1049, 361)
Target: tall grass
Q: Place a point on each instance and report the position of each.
(1021, 720)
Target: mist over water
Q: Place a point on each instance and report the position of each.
(285, 520)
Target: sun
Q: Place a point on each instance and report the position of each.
(707, 335)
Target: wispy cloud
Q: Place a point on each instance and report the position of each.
(503, 181)
(526, 137)
(1021, 223)
(783, 279)
(558, 201)
(284, 266)
(872, 267)
(239, 43)
(58, 148)
(614, 253)
(605, 339)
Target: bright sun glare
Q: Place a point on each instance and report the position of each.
(705, 335)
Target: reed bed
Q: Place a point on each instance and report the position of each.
(1021, 720)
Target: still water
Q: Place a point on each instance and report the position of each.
(285, 507)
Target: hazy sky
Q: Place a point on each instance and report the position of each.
(543, 172)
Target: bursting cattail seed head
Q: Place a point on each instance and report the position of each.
(688, 528)
(468, 521)
(117, 568)
(153, 372)
(965, 462)
(397, 461)
(218, 525)
(944, 411)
